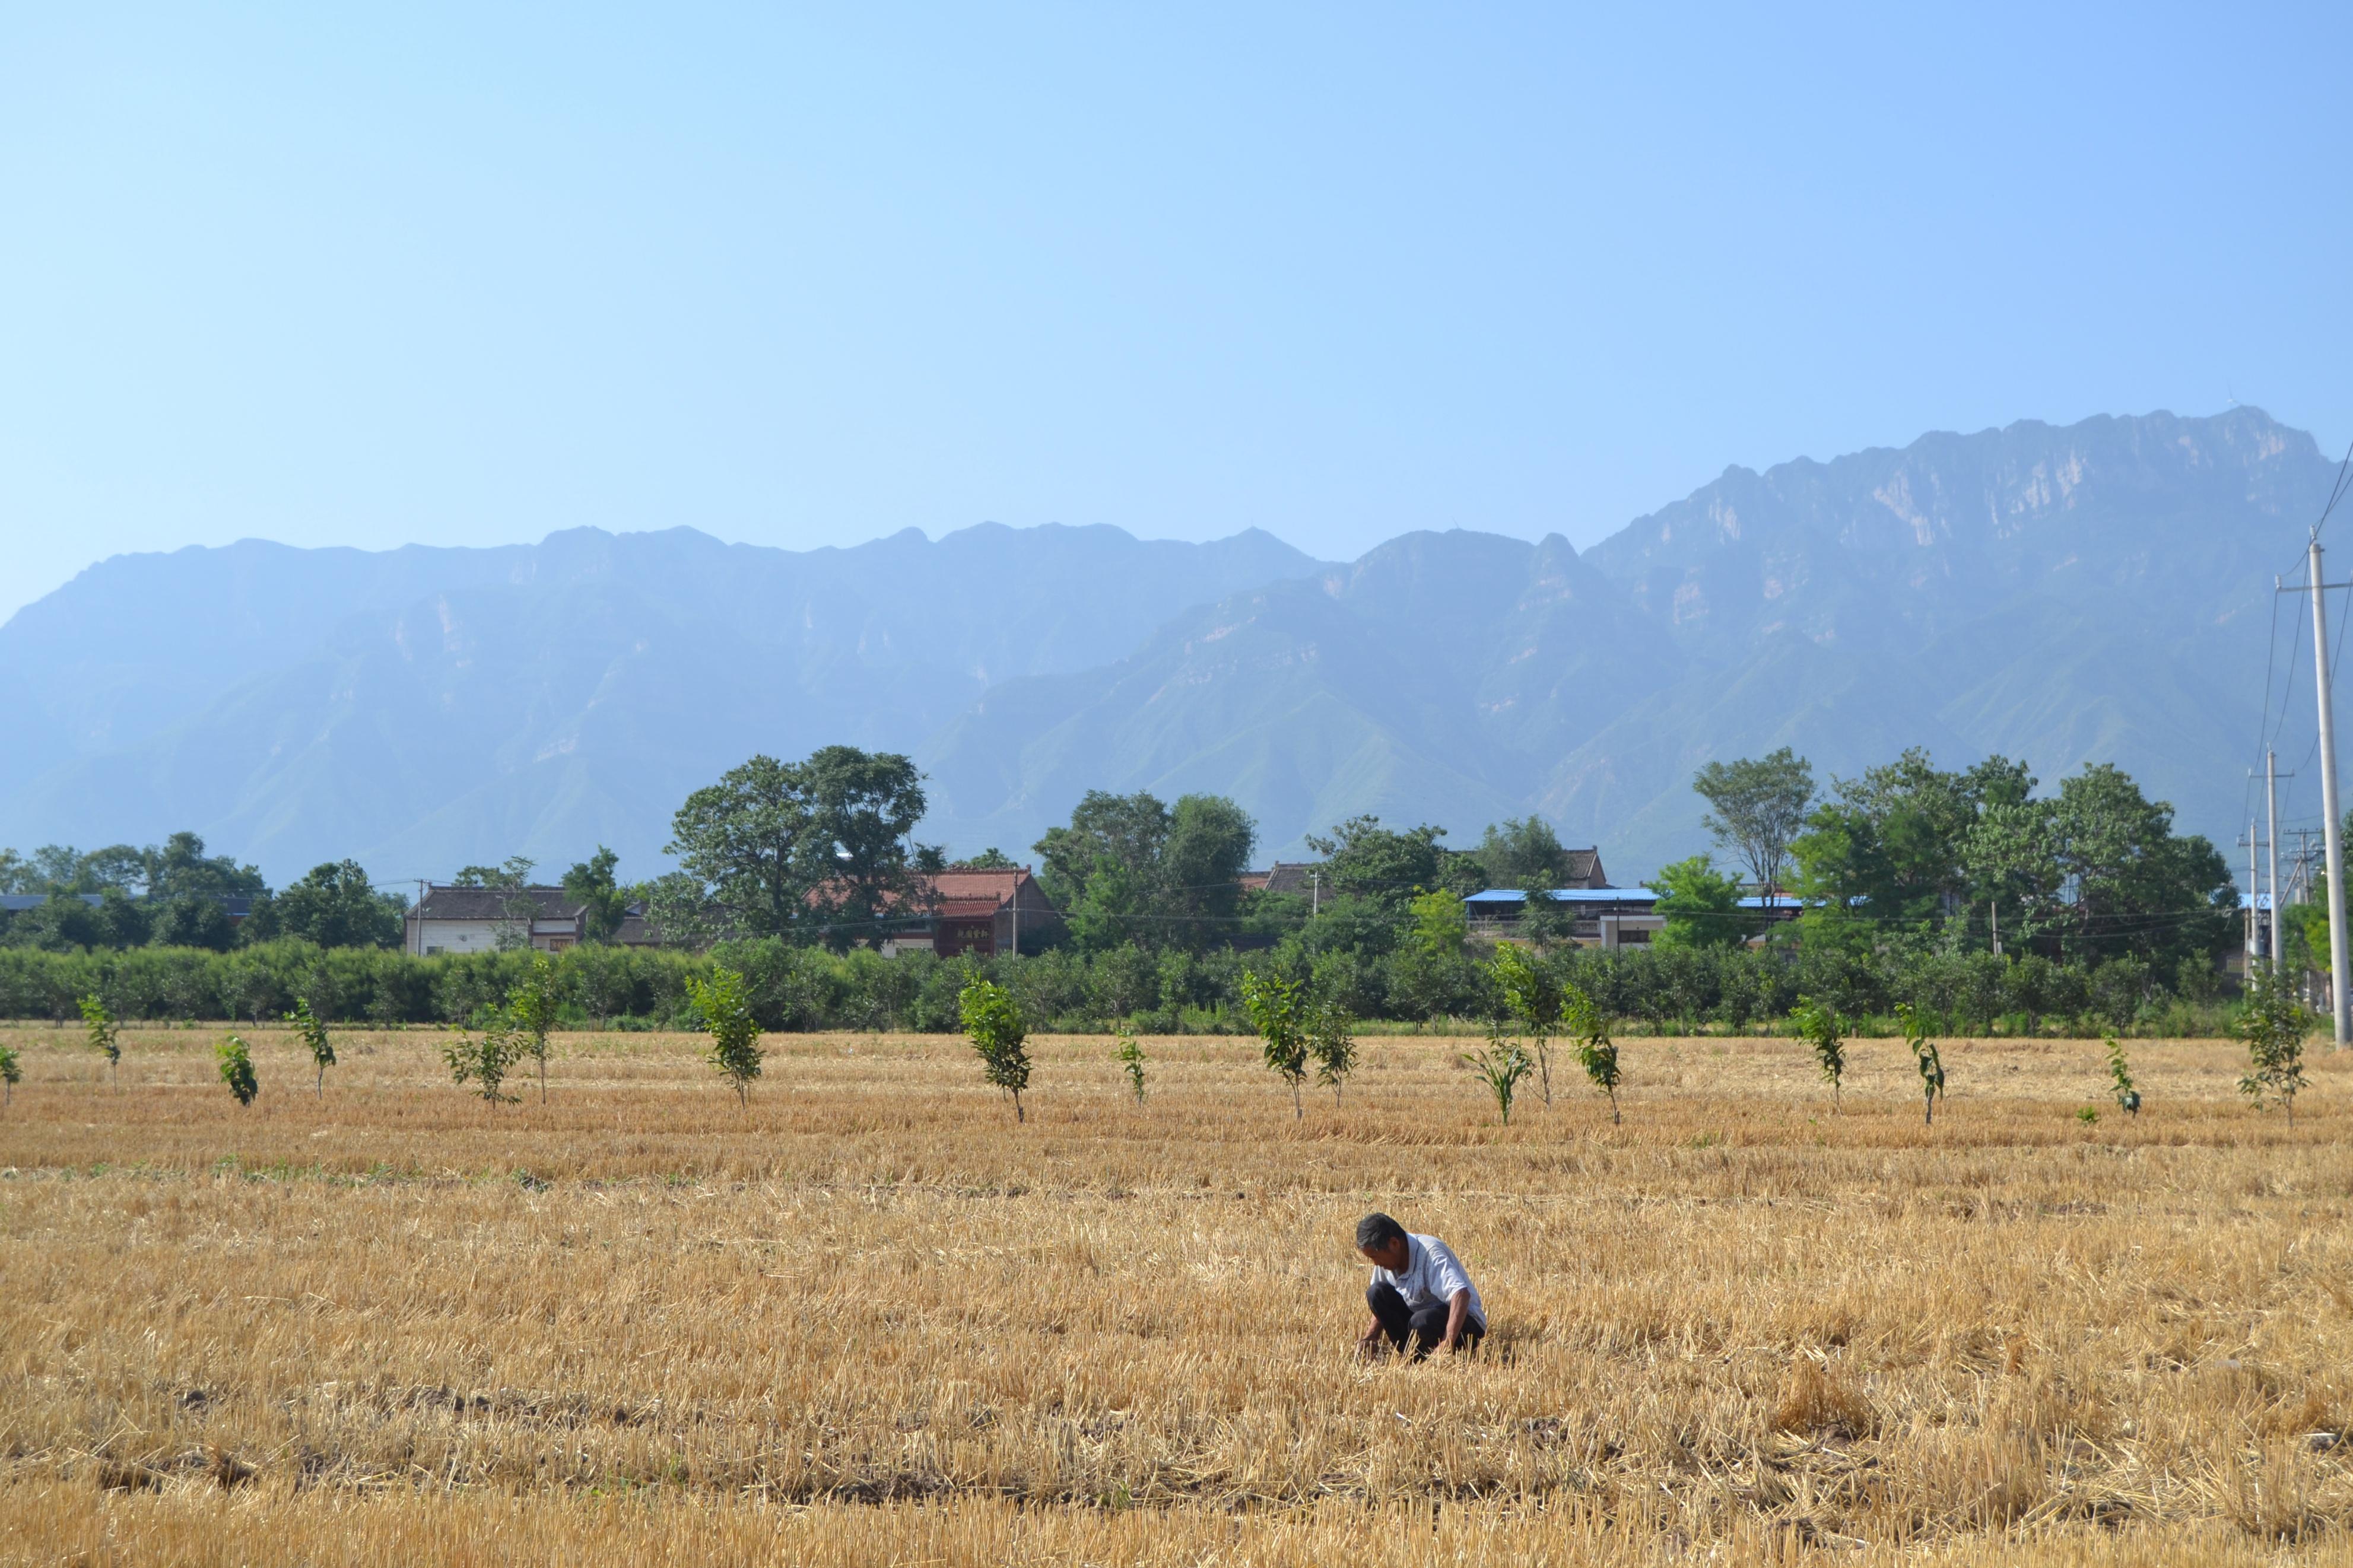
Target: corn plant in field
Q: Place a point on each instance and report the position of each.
(236, 1069)
(12, 1073)
(1581, 1020)
(1501, 1067)
(104, 1036)
(993, 1023)
(1817, 1026)
(1331, 1041)
(2120, 1074)
(1278, 1009)
(1534, 1003)
(315, 1039)
(2273, 1023)
(726, 1013)
(482, 1059)
(531, 1013)
(1130, 1057)
(1925, 1055)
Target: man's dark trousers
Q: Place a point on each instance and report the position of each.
(1422, 1327)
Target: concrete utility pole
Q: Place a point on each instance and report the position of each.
(2271, 834)
(2340, 994)
(2255, 899)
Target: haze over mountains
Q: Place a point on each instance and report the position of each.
(2100, 592)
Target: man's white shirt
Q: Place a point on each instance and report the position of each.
(1431, 1277)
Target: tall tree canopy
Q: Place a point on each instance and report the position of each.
(1758, 804)
(1129, 868)
(811, 850)
(334, 906)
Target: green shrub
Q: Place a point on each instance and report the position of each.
(1925, 1055)
(735, 1034)
(1130, 1057)
(12, 1073)
(2120, 1074)
(313, 1035)
(104, 1035)
(482, 1059)
(1331, 1041)
(530, 1013)
(1500, 1066)
(993, 1022)
(2273, 1023)
(1595, 1052)
(1817, 1026)
(236, 1069)
(1277, 1009)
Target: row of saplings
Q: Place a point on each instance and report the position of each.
(1300, 1033)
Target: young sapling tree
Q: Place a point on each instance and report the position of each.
(1331, 1041)
(1534, 1003)
(1581, 1020)
(531, 1010)
(726, 1013)
(1130, 1056)
(104, 1036)
(1817, 1026)
(993, 1023)
(1277, 1010)
(12, 1073)
(2120, 1074)
(236, 1069)
(482, 1060)
(1925, 1055)
(1500, 1066)
(314, 1038)
(2273, 1023)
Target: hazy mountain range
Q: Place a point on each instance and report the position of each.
(2097, 592)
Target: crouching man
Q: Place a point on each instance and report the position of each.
(1421, 1296)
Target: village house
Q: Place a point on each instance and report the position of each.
(483, 919)
(1598, 917)
(980, 912)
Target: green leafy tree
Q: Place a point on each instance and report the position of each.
(104, 1035)
(2273, 1023)
(313, 1034)
(744, 852)
(1817, 1026)
(1130, 1057)
(1756, 807)
(332, 905)
(1502, 1068)
(989, 860)
(604, 902)
(1278, 1010)
(1584, 1023)
(993, 1023)
(1925, 1055)
(1534, 1003)
(482, 1058)
(1523, 853)
(1386, 865)
(1702, 906)
(723, 1003)
(2120, 1077)
(1331, 1041)
(530, 1013)
(236, 1069)
(863, 806)
(12, 1073)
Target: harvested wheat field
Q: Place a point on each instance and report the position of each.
(869, 1319)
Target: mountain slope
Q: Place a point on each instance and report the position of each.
(423, 707)
(2101, 591)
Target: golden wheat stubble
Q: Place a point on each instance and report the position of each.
(1740, 1312)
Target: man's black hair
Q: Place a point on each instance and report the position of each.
(1377, 1230)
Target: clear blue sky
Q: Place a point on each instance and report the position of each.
(806, 278)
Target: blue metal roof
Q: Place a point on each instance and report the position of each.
(1568, 895)
(19, 902)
